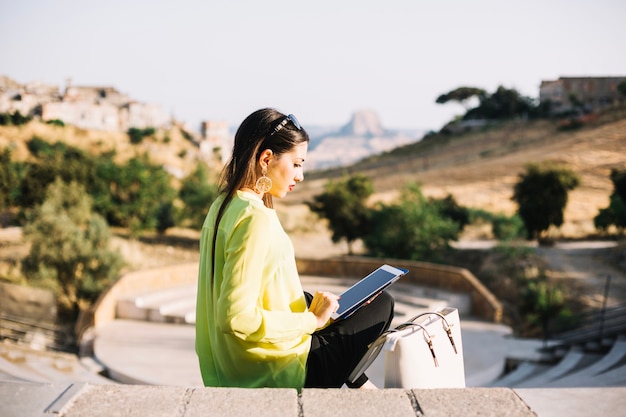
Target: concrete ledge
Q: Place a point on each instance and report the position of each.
(85, 400)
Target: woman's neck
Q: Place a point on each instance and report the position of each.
(251, 191)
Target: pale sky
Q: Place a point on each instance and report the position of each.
(321, 60)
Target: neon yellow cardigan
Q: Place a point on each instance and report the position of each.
(252, 324)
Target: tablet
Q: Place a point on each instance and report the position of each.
(364, 290)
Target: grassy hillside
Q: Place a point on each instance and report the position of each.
(480, 168)
(169, 148)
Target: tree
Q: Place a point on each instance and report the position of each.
(70, 247)
(54, 161)
(618, 177)
(132, 195)
(197, 193)
(9, 180)
(413, 229)
(615, 213)
(461, 95)
(541, 194)
(504, 103)
(448, 207)
(136, 135)
(621, 87)
(507, 228)
(343, 204)
(15, 119)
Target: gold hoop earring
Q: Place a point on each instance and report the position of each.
(263, 184)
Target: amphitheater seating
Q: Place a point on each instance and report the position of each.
(177, 304)
(20, 363)
(577, 368)
(575, 359)
(524, 371)
(604, 370)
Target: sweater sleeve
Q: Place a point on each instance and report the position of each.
(248, 260)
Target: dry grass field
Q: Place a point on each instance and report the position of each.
(480, 168)
(170, 148)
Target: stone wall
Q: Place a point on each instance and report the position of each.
(484, 304)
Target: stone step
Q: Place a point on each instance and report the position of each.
(24, 363)
(574, 360)
(177, 304)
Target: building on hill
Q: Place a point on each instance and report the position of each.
(103, 108)
(593, 93)
(88, 107)
(27, 98)
(216, 140)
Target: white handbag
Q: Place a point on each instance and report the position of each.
(424, 352)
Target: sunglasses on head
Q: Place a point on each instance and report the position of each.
(284, 122)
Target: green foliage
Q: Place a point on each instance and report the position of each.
(16, 119)
(137, 135)
(9, 180)
(414, 228)
(541, 194)
(533, 302)
(615, 213)
(343, 204)
(197, 193)
(165, 216)
(507, 227)
(504, 103)
(39, 147)
(54, 161)
(461, 94)
(131, 195)
(618, 177)
(542, 302)
(622, 88)
(136, 195)
(56, 122)
(70, 246)
(449, 208)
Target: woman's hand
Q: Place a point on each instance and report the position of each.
(323, 305)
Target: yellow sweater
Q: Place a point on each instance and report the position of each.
(252, 324)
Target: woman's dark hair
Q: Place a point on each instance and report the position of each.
(255, 134)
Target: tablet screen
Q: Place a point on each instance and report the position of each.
(367, 288)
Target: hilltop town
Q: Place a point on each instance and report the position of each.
(105, 109)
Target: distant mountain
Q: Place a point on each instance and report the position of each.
(361, 137)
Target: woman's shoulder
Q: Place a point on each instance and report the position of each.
(246, 205)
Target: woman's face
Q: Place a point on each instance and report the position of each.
(286, 170)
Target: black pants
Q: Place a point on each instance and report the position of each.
(338, 348)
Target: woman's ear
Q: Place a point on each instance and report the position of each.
(265, 158)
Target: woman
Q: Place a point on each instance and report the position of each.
(255, 327)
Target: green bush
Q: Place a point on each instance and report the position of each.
(413, 228)
(507, 227)
(541, 194)
(56, 122)
(343, 204)
(16, 119)
(70, 247)
(131, 195)
(197, 192)
(137, 135)
(9, 180)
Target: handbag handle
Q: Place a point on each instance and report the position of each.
(428, 338)
(446, 326)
